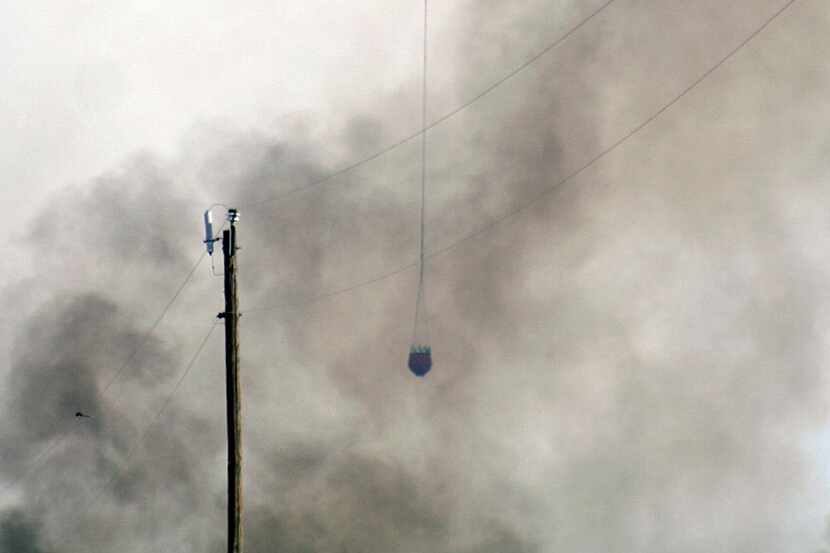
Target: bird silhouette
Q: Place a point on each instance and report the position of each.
(79, 414)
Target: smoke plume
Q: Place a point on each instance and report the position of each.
(632, 362)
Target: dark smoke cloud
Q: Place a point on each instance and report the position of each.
(630, 365)
(19, 535)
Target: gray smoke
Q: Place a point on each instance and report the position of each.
(18, 535)
(632, 363)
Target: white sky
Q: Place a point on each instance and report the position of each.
(85, 84)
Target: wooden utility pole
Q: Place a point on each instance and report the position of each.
(231, 317)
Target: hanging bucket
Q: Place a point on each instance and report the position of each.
(420, 360)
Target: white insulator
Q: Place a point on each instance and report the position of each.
(209, 232)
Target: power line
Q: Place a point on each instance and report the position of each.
(157, 416)
(184, 374)
(512, 213)
(380, 153)
(155, 324)
(47, 451)
(621, 140)
(44, 454)
(335, 292)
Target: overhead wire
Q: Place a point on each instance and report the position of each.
(155, 324)
(44, 454)
(547, 190)
(449, 115)
(620, 141)
(332, 293)
(55, 444)
(131, 450)
(47, 451)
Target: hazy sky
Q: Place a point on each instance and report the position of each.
(633, 361)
